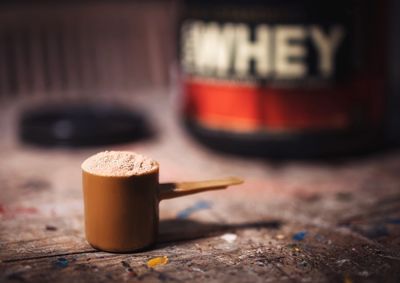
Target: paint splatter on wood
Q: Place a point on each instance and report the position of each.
(61, 262)
(161, 260)
(299, 236)
(200, 205)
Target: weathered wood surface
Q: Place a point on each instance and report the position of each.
(349, 209)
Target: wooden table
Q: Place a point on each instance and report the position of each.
(303, 221)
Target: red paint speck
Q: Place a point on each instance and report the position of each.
(27, 210)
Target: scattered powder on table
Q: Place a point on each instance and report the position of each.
(118, 163)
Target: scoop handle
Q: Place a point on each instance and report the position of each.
(173, 190)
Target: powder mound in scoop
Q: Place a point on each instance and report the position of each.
(118, 163)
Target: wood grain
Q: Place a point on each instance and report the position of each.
(348, 209)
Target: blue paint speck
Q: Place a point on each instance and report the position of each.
(377, 231)
(61, 262)
(299, 236)
(394, 221)
(200, 205)
(319, 238)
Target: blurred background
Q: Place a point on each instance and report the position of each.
(286, 80)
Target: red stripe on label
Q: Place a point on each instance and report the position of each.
(248, 108)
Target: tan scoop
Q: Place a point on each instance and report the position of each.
(172, 190)
(121, 212)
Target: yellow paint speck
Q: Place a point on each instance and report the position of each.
(161, 260)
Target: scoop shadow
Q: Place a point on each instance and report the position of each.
(182, 230)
